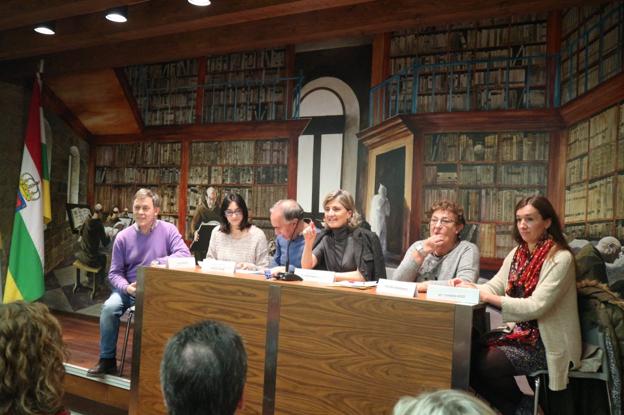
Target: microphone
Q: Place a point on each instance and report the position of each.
(287, 275)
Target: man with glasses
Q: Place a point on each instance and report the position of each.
(287, 221)
(442, 256)
(148, 242)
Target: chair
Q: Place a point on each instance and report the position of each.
(593, 336)
(91, 271)
(130, 313)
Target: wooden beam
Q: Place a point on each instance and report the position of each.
(51, 102)
(151, 19)
(125, 85)
(18, 13)
(598, 99)
(362, 19)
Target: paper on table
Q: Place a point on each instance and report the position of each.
(361, 285)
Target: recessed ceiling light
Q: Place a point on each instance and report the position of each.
(118, 14)
(200, 2)
(46, 28)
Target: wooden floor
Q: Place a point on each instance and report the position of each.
(81, 335)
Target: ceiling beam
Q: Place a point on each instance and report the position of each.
(19, 13)
(150, 19)
(347, 21)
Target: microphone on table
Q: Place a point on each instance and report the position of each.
(287, 275)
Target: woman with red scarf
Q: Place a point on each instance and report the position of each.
(536, 292)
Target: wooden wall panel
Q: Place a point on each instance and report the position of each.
(342, 346)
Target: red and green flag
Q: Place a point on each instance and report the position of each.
(24, 279)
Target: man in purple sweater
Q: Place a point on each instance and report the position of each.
(148, 242)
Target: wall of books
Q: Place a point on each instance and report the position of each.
(487, 173)
(594, 196)
(246, 86)
(256, 169)
(506, 43)
(591, 47)
(121, 170)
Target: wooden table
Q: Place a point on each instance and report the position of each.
(311, 348)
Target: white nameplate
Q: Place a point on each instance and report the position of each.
(181, 262)
(218, 267)
(396, 288)
(315, 275)
(460, 295)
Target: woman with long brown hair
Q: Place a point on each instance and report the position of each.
(31, 360)
(536, 292)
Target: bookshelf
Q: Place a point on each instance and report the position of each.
(487, 173)
(256, 169)
(245, 86)
(120, 170)
(495, 63)
(591, 47)
(594, 188)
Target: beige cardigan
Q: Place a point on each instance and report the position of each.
(553, 305)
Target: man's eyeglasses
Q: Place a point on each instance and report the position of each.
(441, 221)
(236, 212)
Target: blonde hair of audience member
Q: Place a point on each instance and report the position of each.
(346, 200)
(31, 360)
(442, 402)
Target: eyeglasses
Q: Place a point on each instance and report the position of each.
(236, 212)
(441, 221)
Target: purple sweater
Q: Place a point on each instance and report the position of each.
(132, 250)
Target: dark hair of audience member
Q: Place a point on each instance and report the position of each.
(31, 360)
(203, 370)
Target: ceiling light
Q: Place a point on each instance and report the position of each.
(200, 2)
(46, 28)
(118, 14)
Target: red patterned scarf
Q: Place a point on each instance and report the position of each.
(523, 278)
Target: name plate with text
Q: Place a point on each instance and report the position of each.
(460, 295)
(396, 288)
(181, 262)
(314, 275)
(218, 267)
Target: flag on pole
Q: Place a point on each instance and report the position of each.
(24, 279)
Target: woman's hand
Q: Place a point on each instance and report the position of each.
(196, 236)
(309, 233)
(246, 266)
(458, 282)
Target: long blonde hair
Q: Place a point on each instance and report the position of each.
(31, 360)
(346, 200)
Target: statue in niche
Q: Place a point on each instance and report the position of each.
(380, 209)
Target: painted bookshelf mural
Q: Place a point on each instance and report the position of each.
(487, 173)
(594, 195)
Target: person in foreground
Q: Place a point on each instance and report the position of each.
(148, 242)
(536, 292)
(203, 370)
(442, 402)
(287, 221)
(443, 255)
(31, 360)
(344, 247)
(237, 239)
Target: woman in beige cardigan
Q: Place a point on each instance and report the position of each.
(536, 292)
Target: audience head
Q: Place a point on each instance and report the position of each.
(97, 210)
(535, 219)
(211, 197)
(234, 213)
(287, 218)
(446, 218)
(115, 210)
(203, 370)
(31, 360)
(609, 247)
(146, 207)
(442, 402)
(340, 210)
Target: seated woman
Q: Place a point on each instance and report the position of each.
(31, 360)
(237, 239)
(344, 247)
(443, 255)
(536, 292)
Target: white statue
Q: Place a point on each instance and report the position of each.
(380, 210)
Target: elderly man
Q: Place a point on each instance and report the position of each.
(203, 370)
(149, 241)
(288, 224)
(591, 260)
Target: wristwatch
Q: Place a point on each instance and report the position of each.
(421, 252)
